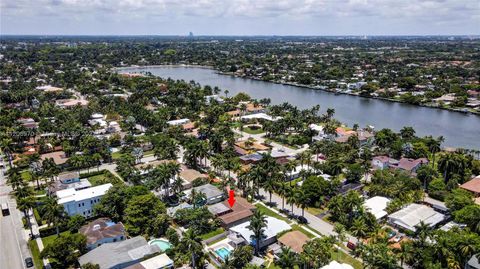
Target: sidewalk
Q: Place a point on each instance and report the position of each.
(36, 235)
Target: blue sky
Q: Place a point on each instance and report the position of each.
(240, 17)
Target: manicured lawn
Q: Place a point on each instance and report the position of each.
(116, 155)
(267, 211)
(249, 130)
(37, 261)
(26, 175)
(106, 177)
(342, 257)
(212, 233)
(315, 211)
(49, 239)
(299, 228)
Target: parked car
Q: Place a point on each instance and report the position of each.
(398, 238)
(302, 220)
(351, 245)
(29, 262)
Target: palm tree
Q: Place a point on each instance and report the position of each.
(7, 146)
(405, 253)
(434, 146)
(287, 259)
(24, 204)
(96, 160)
(282, 191)
(53, 213)
(359, 228)
(257, 225)
(291, 198)
(301, 200)
(422, 232)
(270, 185)
(15, 180)
(23, 191)
(191, 242)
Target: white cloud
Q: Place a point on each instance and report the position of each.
(402, 11)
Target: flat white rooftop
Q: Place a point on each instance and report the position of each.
(412, 215)
(160, 261)
(260, 116)
(178, 122)
(70, 195)
(377, 205)
(274, 226)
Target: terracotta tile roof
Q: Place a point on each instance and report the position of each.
(472, 185)
(242, 209)
(295, 240)
(409, 164)
(58, 157)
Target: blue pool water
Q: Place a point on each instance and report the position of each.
(162, 244)
(222, 253)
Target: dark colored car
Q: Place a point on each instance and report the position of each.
(302, 220)
(29, 262)
(351, 245)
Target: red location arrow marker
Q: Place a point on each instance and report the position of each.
(231, 198)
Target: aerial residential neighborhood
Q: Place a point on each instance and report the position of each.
(240, 134)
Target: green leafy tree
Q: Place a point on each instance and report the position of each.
(141, 214)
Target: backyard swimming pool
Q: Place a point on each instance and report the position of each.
(163, 244)
(223, 252)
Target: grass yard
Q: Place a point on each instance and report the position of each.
(342, 257)
(27, 177)
(116, 155)
(315, 211)
(212, 233)
(106, 177)
(49, 239)
(268, 212)
(37, 261)
(253, 131)
(299, 228)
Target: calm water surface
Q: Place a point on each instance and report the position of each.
(459, 129)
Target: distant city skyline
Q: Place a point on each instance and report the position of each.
(240, 17)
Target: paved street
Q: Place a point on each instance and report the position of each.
(13, 238)
(315, 222)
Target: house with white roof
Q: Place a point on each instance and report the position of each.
(377, 205)
(261, 116)
(411, 216)
(274, 227)
(178, 122)
(81, 202)
(161, 261)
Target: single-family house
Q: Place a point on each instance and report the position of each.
(274, 226)
(101, 231)
(119, 255)
(68, 180)
(377, 205)
(81, 202)
(240, 212)
(294, 240)
(212, 193)
(409, 217)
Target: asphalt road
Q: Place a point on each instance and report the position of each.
(13, 238)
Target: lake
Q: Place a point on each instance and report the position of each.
(459, 129)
